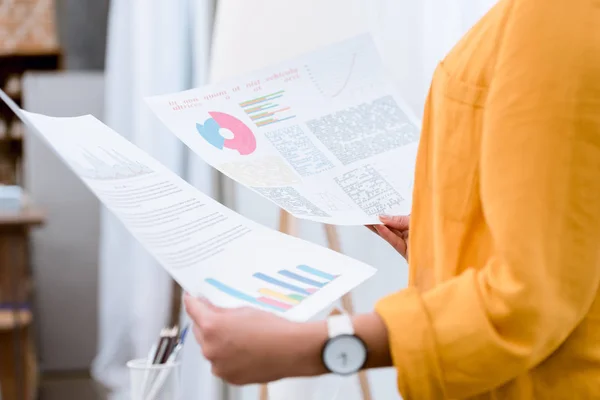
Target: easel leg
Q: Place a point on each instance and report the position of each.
(264, 392)
(333, 241)
(287, 224)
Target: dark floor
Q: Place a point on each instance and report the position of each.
(70, 386)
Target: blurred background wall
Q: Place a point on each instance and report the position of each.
(82, 26)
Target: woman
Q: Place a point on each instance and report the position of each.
(505, 229)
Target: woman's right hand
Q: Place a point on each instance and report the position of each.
(394, 231)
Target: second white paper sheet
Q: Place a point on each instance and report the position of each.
(207, 248)
(324, 136)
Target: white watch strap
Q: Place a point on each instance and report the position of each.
(340, 324)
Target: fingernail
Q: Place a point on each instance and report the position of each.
(188, 298)
(385, 217)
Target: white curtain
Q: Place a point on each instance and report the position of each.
(412, 36)
(154, 46)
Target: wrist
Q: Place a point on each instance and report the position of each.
(304, 345)
(305, 342)
(371, 329)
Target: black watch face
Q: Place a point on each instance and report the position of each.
(344, 354)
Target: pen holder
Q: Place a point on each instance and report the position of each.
(154, 382)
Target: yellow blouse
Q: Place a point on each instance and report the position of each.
(504, 299)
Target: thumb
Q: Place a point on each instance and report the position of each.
(398, 222)
(209, 305)
(196, 308)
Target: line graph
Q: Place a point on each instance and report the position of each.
(344, 73)
(109, 164)
(326, 83)
(338, 74)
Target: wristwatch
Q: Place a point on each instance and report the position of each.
(344, 353)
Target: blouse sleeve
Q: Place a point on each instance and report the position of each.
(540, 194)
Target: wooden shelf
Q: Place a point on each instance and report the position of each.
(56, 51)
(16, 340)
(17, 139)
(9, 322)
(27, 216)
(17, 325)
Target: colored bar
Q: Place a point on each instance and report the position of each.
(282, 284)
(258, 116)
(242, 296)
(300, 278)
(277, 295)
(252, 102)
(312, 290)
(260, 99)
(274, 303)
(265, 122)
(268, 114)
(296, 297)
(277, 120)
(259, 109)
(271, 97)
(316, 272)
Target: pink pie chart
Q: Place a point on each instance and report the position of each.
(243, 139)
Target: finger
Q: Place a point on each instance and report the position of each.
(393, 239)
(198, 335)
(210, 305)
(372, 229)
(396, 232)
(400, 222)
(203, 300)
(196, 308)
(389, 236)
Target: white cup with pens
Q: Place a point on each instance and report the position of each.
(157, 377)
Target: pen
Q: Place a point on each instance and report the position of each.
(171, 343)
(162, 347)
(171, 360)
(149, 359)
(183, 333)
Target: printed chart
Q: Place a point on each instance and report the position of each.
(335, 141)
(243, 140)
(283, 291)
(266, 110)
(112, 165)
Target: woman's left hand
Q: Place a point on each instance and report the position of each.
(246, 345)
(395, 231)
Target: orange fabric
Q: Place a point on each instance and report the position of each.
(504, 296)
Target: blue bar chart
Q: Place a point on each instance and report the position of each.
(286, 289)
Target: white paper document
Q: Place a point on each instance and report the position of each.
(324, 136)
(207, 248)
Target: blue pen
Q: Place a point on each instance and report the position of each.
(177, 348)
(183, 333)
